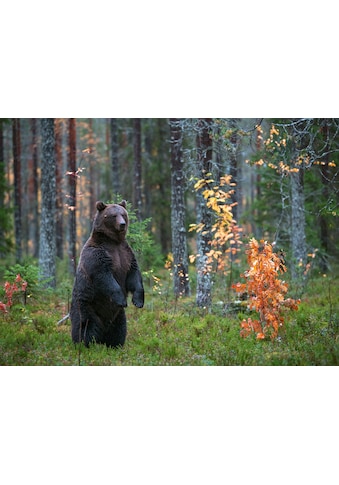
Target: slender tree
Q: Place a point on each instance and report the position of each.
(92, 170)
(234, 168)
(59, 192)
(47, 247)
(72, 193)
(178, 211)
(298, 235)
(137, 187)
(17, 188)
(3, 215)
(34, 186)
(115, 157)
(204, 165)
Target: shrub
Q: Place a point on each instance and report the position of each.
(19, 285)
(266, 292)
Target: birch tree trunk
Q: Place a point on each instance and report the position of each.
(47, 246)
(178, 211)
(204, 163)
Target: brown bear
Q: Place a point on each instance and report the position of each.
(106, 272)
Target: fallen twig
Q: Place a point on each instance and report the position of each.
(66, 317)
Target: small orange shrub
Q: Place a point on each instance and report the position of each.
(10, 289)
(266, 292)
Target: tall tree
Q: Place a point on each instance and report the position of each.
(34, 186)
(234, 168)
(58, 125)
(137, 186)
(72, 193)
(47, 247)
(204, 165)
(298, 235)
(115, 157)
(325, 179)
(92, 170)
(17, 188)
(2, 189)
(4, 222)
(178, 211)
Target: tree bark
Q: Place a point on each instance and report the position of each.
(323, 218)
(92, 172)
(137, 187)
(298, 237)
(47, 246)
(17, 189)
(234, 169)
(178, 212)
(2, 188)
(204, 163)
(33, 190)
(59, 191)
(115, 158)
(3, 216)
(72, 193)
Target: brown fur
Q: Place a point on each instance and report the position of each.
(107, 271)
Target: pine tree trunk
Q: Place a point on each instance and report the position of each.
(2, 191)
(72, 194)
(34, 181)
(204, 162)
(178, 211)
(47, 251)
(137, 188)
(92, 172)
(115, 158)
(17, 189)
(298, 237)
(59, 192)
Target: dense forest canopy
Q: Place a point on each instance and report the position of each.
(284, 172)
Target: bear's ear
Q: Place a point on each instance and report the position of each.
(101, 206)
(123, 204)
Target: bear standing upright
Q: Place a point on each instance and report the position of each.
(106, 272)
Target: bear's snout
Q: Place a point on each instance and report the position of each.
(122, 226)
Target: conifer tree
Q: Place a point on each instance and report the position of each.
(179, 244)
(47, 247)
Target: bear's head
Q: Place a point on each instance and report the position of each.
(111, 220)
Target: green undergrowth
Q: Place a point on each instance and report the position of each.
(167, 332)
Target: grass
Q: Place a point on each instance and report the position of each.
(169, 333)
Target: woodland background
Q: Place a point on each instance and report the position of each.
(52, 171)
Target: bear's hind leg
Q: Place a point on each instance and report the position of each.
(86, 325)
(116, 332)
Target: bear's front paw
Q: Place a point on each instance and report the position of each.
(138, 298)
(119, 298)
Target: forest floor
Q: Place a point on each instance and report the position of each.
(172, 333)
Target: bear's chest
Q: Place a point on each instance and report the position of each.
(120, 261)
